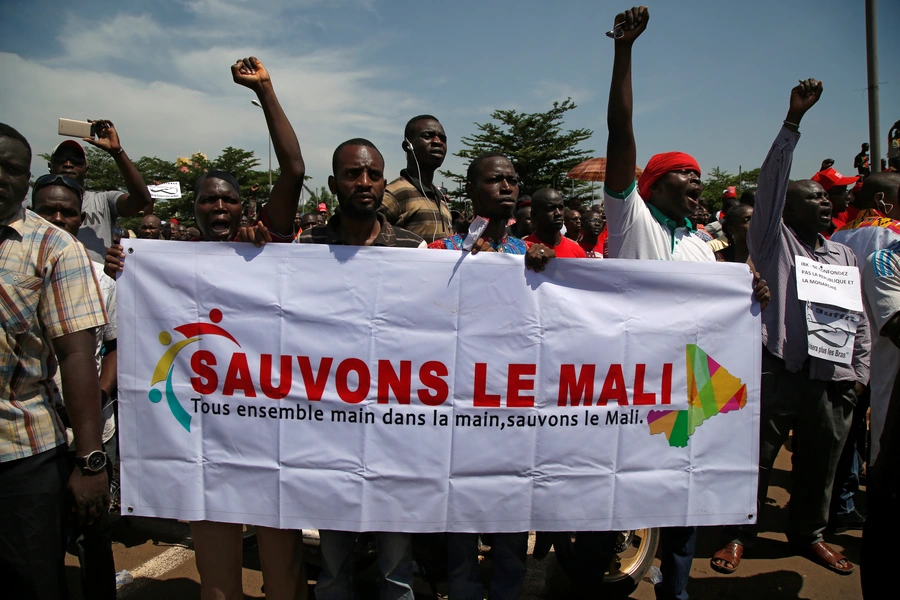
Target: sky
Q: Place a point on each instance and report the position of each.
(711, 77)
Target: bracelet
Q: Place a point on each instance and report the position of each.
(786, 122)
(121, 150)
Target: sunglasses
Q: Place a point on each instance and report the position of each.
(76, 160)
(45, 180)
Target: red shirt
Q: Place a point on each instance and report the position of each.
(565, 249)
(597, 250)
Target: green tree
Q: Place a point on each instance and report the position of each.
(103, 174)
(535, 143)
(719, 179)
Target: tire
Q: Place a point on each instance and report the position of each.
(634, 557)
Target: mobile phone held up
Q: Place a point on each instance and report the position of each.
(79, 129)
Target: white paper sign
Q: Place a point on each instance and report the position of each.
(828, 284)
(831, 332)
(165, 191)
(387, 389)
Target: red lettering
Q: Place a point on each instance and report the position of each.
(207, 380)
(641, 398)
(389, 380)
(613, 387)
(343, 388)
(576, 388)
(315, 385)
(238, 377)
(430, 375)
(666, 392)
(265, 377)
(481, 398)
(515, 385)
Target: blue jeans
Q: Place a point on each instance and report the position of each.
(336, 582)
(678, 544)
(508, 552)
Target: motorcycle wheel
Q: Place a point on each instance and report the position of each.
(635, 550)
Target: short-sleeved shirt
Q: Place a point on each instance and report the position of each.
(638, 229)
(48, 291)
(861, 162)
(96, 232)
(597, 250)
(107, 333)
(566, 248)
(881, 290)
(390, 236)
(404, 206)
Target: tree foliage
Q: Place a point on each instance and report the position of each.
(719, 179)
(535, 143)
(103, 175)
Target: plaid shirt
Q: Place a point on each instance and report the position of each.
(406, 207)
(47, 290)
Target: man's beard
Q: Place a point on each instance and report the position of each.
(358, 213)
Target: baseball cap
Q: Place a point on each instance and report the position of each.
(322, 207)
(67, 144)
(830, 178)
(730, 192)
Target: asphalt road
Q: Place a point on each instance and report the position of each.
(158, 554)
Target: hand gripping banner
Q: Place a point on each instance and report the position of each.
(386, 389)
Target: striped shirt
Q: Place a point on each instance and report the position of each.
(405, 206)
(773, 246)
(390, 236)
(48, 291)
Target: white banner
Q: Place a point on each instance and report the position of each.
(828, 284)
(165, 191)
(386, 389)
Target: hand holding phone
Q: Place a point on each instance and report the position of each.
(73, 128)
(107, 138)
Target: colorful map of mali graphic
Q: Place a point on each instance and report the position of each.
(711, 391)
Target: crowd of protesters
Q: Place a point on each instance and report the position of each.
(60, 256)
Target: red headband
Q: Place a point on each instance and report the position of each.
(660, 164)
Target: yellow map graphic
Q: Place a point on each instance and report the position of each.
(711, 390)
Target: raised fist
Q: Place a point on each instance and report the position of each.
(805, 95)
(250, 72)
(632, 22)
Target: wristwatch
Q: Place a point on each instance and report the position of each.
(95, 462)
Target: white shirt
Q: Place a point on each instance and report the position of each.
(881, 292)
(639, 230)
(868, 233)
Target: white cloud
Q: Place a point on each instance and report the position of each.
(190, 103)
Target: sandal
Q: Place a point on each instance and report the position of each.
(727, 559)
(822, 554)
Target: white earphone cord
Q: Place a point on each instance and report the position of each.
(409, 149)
